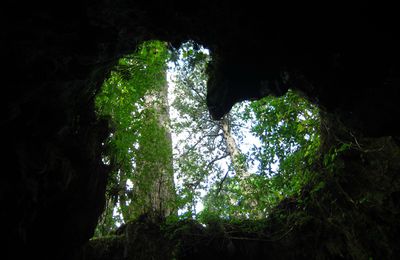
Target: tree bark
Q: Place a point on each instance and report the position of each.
(239, 165)
(154, 187)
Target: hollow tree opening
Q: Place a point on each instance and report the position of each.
(238, 167)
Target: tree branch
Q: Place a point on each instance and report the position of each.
(222, 182)
(217, 159)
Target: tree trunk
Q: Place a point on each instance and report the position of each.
(154, 189)
(239, 165)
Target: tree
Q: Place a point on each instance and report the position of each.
(207, 152)
(197, 137)
(139, 148)
(153, 180)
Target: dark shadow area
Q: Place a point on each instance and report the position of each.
(343, 58)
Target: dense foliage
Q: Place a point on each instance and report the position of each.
(288, 132)
(288, 128)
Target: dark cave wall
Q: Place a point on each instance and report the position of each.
(53, 188)
(344, 58)
(56, 57)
